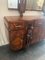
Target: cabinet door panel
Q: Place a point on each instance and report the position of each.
(16, 44)
(16, 25)
(35, 35)
(17, 39)
(19, 33)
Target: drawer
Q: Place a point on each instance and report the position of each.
(16, 25)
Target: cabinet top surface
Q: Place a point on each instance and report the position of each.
(26, 18)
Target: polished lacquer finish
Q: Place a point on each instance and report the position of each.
(24, 31)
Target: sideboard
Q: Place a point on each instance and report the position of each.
(24, 31)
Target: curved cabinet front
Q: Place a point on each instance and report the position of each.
(24, 32)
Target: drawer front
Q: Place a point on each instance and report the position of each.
(37, 35)
(40, 23)
(16, 25)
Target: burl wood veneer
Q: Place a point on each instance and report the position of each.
(24, 31)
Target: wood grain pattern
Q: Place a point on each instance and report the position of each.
(24, 31)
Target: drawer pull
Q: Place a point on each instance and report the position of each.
(18, 26)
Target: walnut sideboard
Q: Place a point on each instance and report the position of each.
(24, 31)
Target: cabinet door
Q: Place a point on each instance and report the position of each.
(17, 25)
(38, 32)
(41, 24)
(35, 35)
(17, 39)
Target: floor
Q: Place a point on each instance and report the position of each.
(34, 52)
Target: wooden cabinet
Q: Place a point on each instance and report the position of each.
(24, 31)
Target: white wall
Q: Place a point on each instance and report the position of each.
(4, 12)
(4, 9)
